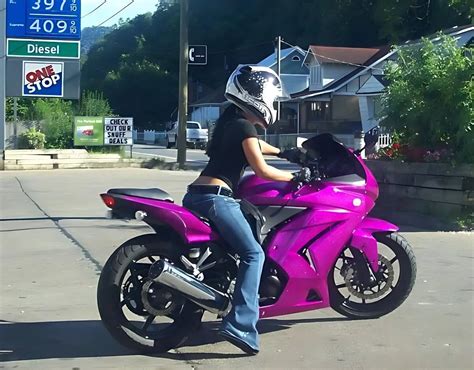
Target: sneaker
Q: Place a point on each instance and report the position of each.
(231, 338)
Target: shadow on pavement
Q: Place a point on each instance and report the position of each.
(84, 339)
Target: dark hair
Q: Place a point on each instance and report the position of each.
(230, 113)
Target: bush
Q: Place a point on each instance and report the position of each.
(57, 118)
(31, 139)
(429, 101)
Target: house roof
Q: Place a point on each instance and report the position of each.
(381, 54)
(341, 55)
(270, 61)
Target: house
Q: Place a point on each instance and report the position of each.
(333, 89)
(346, 85)
(294, 73)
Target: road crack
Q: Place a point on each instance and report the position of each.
(87, 255)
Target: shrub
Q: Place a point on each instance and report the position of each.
(31, 139)
(430, 100)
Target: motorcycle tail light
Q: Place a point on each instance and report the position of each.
(108, 200)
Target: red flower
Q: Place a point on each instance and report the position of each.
(396, 146)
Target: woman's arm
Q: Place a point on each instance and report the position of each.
(257, 162)
(268, 149)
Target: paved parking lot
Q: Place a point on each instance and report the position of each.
(54, 240)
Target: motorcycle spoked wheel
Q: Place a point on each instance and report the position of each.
(142, 315)
(394, 280)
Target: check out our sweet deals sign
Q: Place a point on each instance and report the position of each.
(118, 131)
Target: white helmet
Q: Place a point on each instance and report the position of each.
(255, 89)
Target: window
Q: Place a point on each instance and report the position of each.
(319, 111)
(315, 75)
(192, 125)
(296, 58)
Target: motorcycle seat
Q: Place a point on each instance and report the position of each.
(153, 193)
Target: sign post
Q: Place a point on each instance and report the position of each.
(3, 8)
(43, 48)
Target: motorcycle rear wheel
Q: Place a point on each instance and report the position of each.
(356, 301)
(121, 304)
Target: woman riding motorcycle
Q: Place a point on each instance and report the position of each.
(252, 91)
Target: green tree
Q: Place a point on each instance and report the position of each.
(93, 103)
(429, 100)
(57, 117)
(136, 65)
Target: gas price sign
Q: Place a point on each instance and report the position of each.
(44, 19)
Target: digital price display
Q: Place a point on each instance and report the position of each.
(47, 19)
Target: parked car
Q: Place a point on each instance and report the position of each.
(196, 136)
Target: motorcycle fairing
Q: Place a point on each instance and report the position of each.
(306, 250)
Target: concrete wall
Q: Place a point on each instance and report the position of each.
(434, 190)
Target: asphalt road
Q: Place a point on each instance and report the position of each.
(54, 241)
(195, 158)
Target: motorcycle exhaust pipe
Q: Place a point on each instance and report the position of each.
(203, 295)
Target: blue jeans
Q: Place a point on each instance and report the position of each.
(231, 224)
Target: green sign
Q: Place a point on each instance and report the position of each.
(88, 131)
(43, 49)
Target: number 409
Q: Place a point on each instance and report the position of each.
(48, 26)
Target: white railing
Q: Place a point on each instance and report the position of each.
(280, 140)
(291, 140)
(385, 140)
(149, 137)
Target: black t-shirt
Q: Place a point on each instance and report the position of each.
(228, 162)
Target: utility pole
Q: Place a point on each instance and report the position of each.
(278, 66)
(183, 83)
(15, 121)
(3, 25)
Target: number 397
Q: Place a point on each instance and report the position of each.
(49, 4)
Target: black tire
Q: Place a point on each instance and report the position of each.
(394, 298)
(109, 297)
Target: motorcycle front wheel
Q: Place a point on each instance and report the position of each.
(389, 286)
(140, 314)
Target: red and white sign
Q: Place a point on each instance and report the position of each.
(43, 79)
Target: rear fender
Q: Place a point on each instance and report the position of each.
(190, 228)
(363, 238)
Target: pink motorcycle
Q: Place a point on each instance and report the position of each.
(322, 250)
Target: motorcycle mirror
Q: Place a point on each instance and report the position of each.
(371, 137)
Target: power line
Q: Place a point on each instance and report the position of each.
(95, 9)
(117, 13)
(238, 49)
